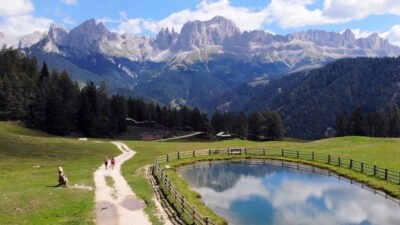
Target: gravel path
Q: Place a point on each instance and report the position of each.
(118, 204)
(179, 137)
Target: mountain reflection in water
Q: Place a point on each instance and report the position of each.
(271, 194)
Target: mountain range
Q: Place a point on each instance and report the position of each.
(206, 64)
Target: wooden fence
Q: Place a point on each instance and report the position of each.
(190, 211)
(179, 199)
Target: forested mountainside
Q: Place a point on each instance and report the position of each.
(310, 101)
(52, 102)
(189, 67)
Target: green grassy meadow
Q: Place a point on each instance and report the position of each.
(29, 163)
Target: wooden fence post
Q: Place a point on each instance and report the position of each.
(329, 158)
(194, 214)
(374, 170)
(194, 153)
(362, 167)
(399, 177)
(207, 220)
(339, 161)
(167, 157)
(351, 163)
(263, 151)
(386, 174)
(183, 203)
(282, 152)
(209, 151)
(179, 155)
(312, 156)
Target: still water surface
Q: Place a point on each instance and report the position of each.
(273, 192)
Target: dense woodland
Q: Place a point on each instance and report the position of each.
(309, 101)
(375, 124)
(52, 102)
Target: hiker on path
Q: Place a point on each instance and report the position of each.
(106, 162)
(112, 163)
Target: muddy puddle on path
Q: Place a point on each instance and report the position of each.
(133, 203)
(106, 214)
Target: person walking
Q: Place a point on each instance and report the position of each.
(106, 162)
(112, 163)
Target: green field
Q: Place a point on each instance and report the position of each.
(29, 162)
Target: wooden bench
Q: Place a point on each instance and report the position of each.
(235, 151)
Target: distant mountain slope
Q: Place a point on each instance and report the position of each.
(195, 65)
(309, 101)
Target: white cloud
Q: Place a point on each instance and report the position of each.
(68, 21)
(361, 34)
(108, 20)
(15, 7)
(244, 18)
(17, 18)
(24, 24)
(358, 9)
(287, 13)
(393, 35)
(70, 2)
(132, 26)
(123, 15)
(292, 13)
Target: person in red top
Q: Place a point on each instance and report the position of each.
(106, 162)
(113, 162)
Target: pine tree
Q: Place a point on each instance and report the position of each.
(241, 125)
(272, 128)
(357, 123)
(394, 121)
(341, 125)
(44, 73)
(255, 121)
(381, 124)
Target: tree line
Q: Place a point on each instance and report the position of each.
(382, 123)
(256, 126)
(52, 102)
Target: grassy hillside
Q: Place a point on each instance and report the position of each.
(28, 171)
(29, 161)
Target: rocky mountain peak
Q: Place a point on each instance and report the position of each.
(348, 38)
(47, 44)
(86, 37)
(199, 34)
(90, 28)
(165, 38)
(57, 33)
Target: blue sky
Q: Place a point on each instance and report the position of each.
(148, 17)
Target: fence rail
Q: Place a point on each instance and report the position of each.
(197, 218)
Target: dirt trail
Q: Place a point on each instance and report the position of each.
(179, 137)
(118, 204)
